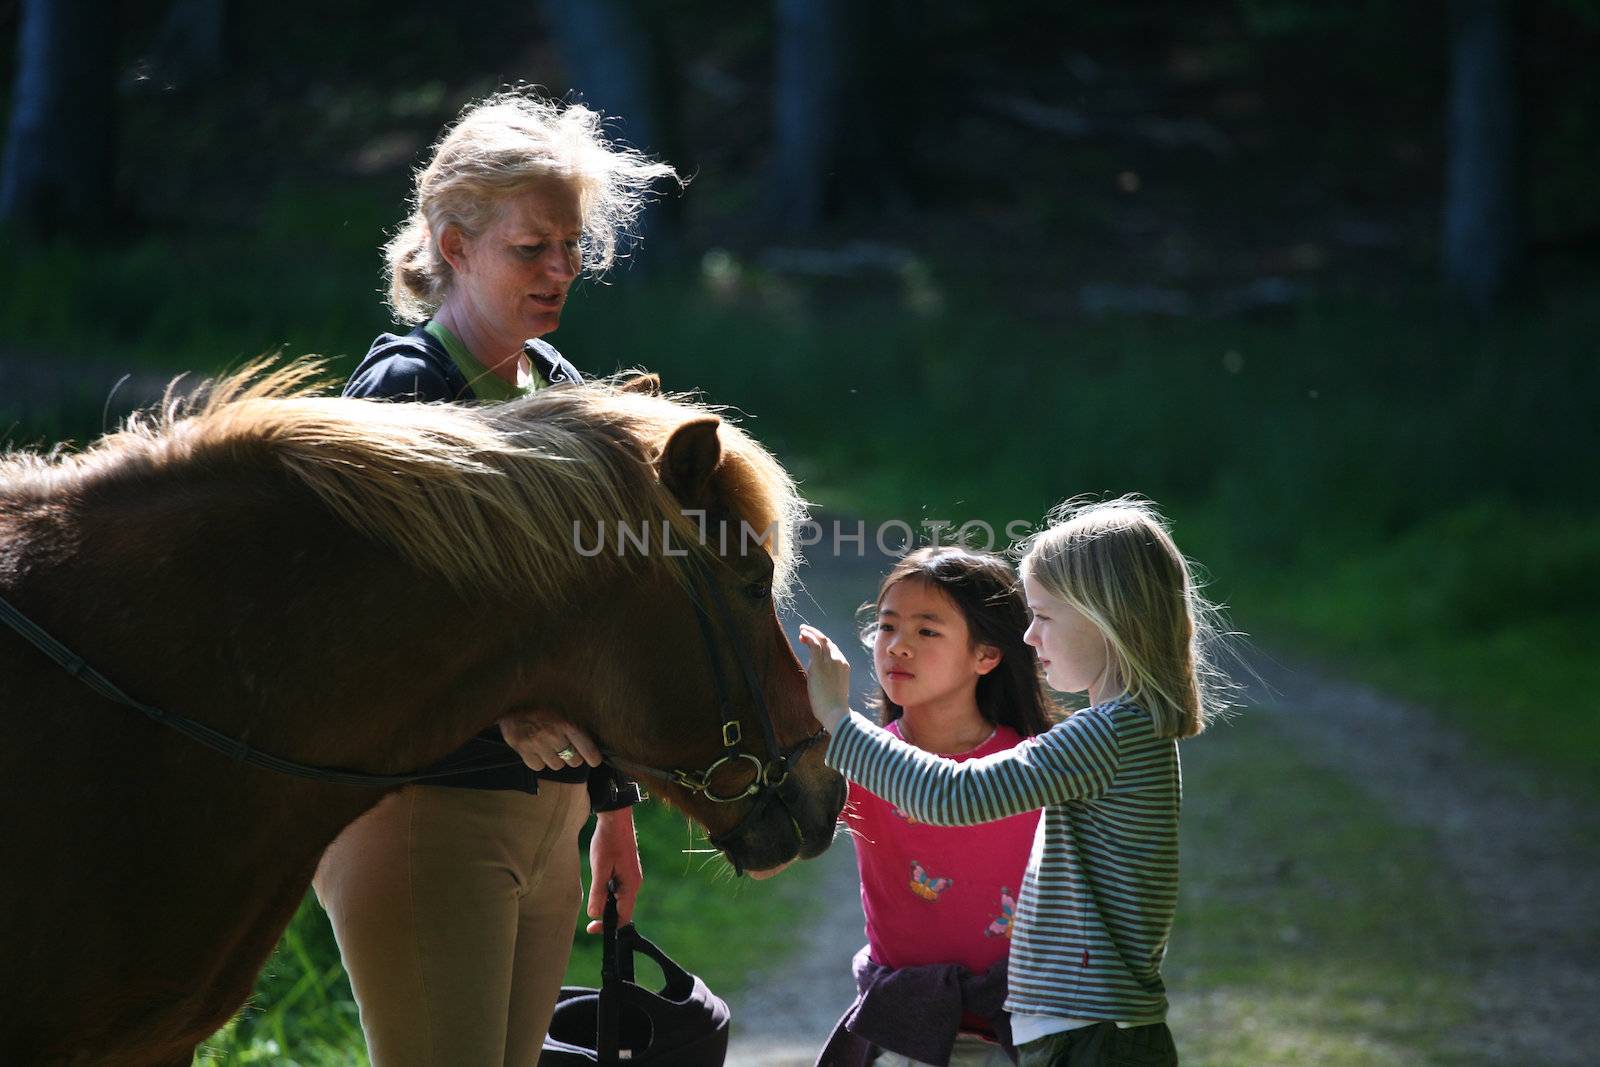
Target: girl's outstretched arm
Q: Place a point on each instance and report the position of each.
(1077, 758)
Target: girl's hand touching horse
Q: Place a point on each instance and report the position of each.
(827, 677)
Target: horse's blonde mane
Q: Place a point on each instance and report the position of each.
(486, 496)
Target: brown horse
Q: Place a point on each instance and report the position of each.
(359, 585)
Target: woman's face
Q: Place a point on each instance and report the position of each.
(514, 276)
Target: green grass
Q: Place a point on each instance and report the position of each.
(1312, 928)
(1486, 614)
(301, 276)
(718, 926)
(302, 1013)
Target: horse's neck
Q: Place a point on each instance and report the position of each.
(265, 617)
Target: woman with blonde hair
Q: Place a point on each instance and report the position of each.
(453, 902)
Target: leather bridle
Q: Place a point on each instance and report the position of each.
(770, 780)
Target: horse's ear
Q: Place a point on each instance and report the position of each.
(644, 382)
(690, 458)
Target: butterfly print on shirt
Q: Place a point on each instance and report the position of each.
(925, 886)
(1001, 926)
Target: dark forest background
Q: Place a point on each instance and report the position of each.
(1322, 278)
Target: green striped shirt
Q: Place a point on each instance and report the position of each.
(1102, 883)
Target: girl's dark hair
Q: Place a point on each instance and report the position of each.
(990, 598)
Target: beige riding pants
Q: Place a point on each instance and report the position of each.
(454, 912)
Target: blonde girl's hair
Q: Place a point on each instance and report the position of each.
(1115, 561)
(501, 146)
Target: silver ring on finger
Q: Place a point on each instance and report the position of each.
(566, 755)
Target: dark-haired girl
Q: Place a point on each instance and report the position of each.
(956, 680)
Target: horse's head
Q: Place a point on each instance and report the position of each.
(730, 738)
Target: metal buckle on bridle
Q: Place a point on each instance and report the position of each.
(782, 765)
(704, 785)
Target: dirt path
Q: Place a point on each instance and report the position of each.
(32, 383)
(1528, 862)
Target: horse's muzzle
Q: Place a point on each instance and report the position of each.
(786, 821)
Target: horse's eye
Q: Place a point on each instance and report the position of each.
(759, 591)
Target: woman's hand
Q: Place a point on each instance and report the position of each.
(613, 853)
(827, 677)
(547, 742)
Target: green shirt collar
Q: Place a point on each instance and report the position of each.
(486, 384)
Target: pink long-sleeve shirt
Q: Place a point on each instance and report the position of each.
(939, 894)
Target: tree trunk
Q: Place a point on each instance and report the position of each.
(1482, 215)
(607, 59)
(805, 111)
(57, 175)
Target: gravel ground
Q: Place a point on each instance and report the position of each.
(1527, 858)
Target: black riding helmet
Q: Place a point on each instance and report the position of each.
(682, 1025)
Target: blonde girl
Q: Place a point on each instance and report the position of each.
(1115, 615)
